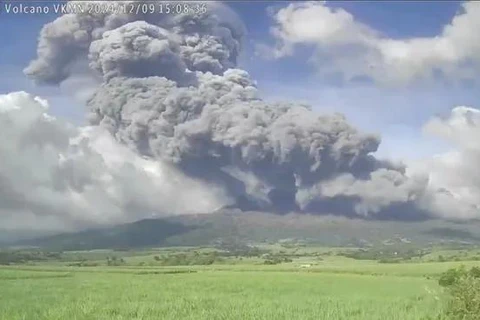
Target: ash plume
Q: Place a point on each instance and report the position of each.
(205, 41)
(171, 91)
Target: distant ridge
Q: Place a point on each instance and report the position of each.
(205, 229)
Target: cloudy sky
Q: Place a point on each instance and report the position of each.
(390, 67)
(396, 110)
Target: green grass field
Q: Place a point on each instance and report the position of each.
(334, 288)
(207, 294)
(317, 283)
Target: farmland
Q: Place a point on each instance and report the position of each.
(182, 283)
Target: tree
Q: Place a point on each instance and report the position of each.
(463, 287)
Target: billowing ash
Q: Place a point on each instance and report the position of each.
(206, 42)
(171, 92)
(221, 130)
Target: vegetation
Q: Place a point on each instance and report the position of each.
(276, 259)
(114, 261)
(277, 280)
(464, 293)
(20, 257)
(159, 293)
(387, 254)
(182, 259)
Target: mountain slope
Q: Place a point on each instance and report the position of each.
(205, 229)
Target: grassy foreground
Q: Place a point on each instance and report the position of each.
(280, 282)
(157, 293)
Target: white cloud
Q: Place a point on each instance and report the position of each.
(55, 176)
(383, 188)
(454, 176)
(446, 185)
(346, 45)
(67, 101)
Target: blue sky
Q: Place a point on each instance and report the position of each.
(396, 113)
(19, 45)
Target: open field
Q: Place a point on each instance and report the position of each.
(212, 295)
(309, 287)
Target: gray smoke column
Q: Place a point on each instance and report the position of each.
(171, 92)
(221, 126)
(209, 41)
(137, 49)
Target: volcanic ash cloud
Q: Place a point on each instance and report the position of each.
(171, 92)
